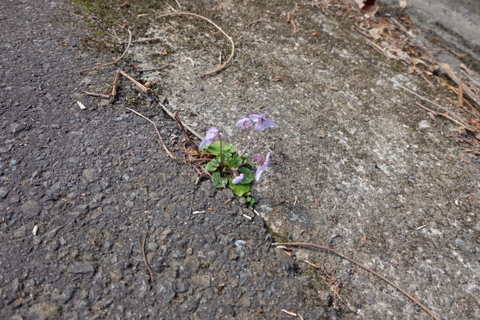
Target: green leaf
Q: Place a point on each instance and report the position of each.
(229, 148)
(239, 189)
(246, 161)
(212, 165)
(214, 148)
(218, 181)
(234, 161)
(248, 176)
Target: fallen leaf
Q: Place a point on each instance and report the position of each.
(416, 61)
(376, 32)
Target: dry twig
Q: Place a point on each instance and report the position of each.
(185, 125)
(318, 246)
(182, 126)
(435, 113)
(117, 60)
(451, 74)
(94, 94)
(456, 120)
(248, 25)
(160, 139)
(232, 53)
(158, 133)
(116, 79)
(146, 261)
(141, 86)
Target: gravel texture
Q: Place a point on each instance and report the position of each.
(81, 189)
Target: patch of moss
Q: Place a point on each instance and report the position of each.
(278, 237)
(104, 15)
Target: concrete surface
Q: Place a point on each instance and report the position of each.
(355, 163)
(455, 21)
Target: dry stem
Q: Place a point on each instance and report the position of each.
(318, 246)
(158, 133)
(146, 261)
(118, 59)
(185, 125)
(230, 58)
(456, 120)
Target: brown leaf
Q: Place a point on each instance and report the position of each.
(376, 32)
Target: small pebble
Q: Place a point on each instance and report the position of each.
(424, 124)
(81, 267)
(239, 243)
(3, 192)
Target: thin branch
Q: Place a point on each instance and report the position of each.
(141, 86)
(189, 137)
(152, 69)
(184, 124)
(435, 104)
(440, 114)
(146, 261)
(148, 40)
(451, 74)
(318, 246)
(101, 95)
(116, 61)
(158, 133)
(115, 84)
(161, 140)
(232, 53)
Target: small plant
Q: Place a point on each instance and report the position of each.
(229, 167)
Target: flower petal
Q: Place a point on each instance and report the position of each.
(259, 159)
(238, 179)
(262, 167)
(244, 123)
(212, 133)
(261, 122)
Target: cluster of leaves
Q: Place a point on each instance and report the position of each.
(223, 176)
(230, 168)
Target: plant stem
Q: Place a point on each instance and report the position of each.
(248, 143)
(242, 139)
(221, 151)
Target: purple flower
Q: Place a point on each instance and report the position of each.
(262, 165)
(244, 123)
(261, 122)
(238, 179)
(212, 133)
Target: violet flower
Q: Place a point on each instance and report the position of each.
(262, 165)
(244, 123)
(238, 177)
(261, 122)
(212, 133)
